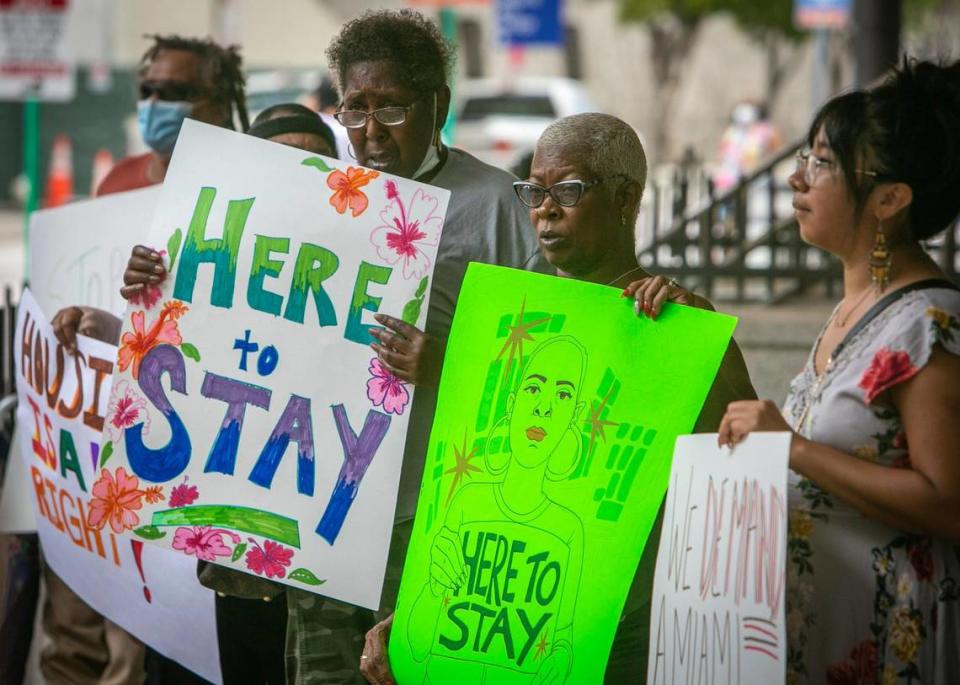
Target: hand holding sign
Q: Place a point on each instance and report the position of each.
(407, 352)
(446, 563)
(144, 273)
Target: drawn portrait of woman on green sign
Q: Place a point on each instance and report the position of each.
(505, 567)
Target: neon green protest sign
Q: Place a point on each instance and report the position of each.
(549, 458)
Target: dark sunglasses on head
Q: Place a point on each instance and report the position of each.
(171, 91)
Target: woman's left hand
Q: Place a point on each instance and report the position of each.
(407, 352)
(374, 663)
(749, 416)
(650, 294)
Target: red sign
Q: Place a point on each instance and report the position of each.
(35, 55)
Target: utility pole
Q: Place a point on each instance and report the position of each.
(876, 38)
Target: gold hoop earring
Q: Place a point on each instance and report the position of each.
(880, 260)
(496, 448)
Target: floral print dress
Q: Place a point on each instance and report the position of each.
(867, 603)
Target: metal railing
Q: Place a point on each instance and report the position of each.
(8, 382)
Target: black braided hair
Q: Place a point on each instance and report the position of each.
(222, 68)
(422, 56)
(907, 129)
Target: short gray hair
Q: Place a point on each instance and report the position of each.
(603, 143)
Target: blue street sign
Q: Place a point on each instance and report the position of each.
(530, 22)
(821, 14)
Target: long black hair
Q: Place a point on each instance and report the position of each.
(906, 130)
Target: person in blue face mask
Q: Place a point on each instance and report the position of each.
(179, 78)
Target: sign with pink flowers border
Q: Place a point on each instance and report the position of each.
(246, 391)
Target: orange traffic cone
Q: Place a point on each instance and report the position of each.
(102, 164)
(60, 175)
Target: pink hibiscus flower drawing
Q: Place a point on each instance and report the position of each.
(205, 542)
(147, 297)
(125, 409)
(135, 344)
(270, 560)
(406, 229)
(116, 499)
(183, 495)
(386, 390)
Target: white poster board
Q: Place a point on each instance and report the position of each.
(150, 592)
(717, 613)
(265, 419)
(79, 251)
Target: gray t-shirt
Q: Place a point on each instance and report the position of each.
(485, 223)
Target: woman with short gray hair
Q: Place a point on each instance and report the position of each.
(583, 196)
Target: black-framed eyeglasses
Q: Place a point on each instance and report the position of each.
(172, 91)
(564, 193)
(388, 116)
(810, 165)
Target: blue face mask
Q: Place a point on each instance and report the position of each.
(160, 123)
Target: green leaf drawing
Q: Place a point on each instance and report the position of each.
(411, 310)
(173, 247)
(317, 163)
(106, 452)
(305, 576)
(149, 532)
(238, 551)
(190, 351)
(422, 288)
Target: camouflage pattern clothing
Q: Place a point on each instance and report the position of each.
(324, 639)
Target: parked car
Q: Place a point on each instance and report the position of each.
(278, 86)
(500, 121)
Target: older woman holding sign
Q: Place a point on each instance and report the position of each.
(583, 196)
(392, 69)
(873, 575)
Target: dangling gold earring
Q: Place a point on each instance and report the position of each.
(880, 260)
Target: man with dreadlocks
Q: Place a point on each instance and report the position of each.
(179, 78)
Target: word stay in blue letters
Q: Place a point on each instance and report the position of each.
(294, 424)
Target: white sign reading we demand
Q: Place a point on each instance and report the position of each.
(270, 429)
(718, 595)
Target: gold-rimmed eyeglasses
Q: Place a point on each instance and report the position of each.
(810, 166)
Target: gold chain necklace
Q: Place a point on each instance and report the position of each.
(625, 273)
(840, 322)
